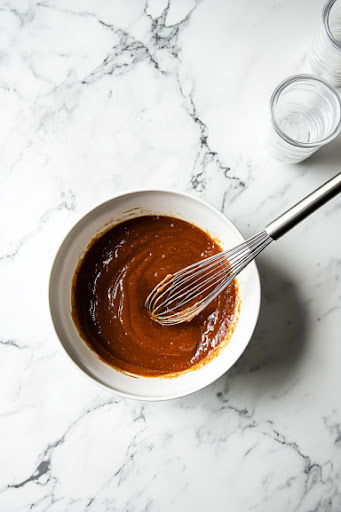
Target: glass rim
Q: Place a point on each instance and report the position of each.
(277, 92)
(325, 18)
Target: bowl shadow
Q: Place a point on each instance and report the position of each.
(278, 343)
(280, 334)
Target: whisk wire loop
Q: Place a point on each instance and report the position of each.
(181, 296)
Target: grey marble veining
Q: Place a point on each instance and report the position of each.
(100, 97)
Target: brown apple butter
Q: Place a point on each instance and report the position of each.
(112, 281)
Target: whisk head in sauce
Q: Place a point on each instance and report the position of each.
(181, 296)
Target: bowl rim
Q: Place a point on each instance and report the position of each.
(80, 367)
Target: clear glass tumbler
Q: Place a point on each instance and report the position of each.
(326, 52)
(305, 115)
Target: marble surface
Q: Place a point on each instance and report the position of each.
(97, 97)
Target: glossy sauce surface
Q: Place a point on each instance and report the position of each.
(112, 281)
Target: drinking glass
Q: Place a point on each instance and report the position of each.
(326, 52)
(305, 115)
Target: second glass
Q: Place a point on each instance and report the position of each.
(326, 53)
(305, 115)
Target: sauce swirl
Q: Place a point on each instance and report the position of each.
(112, 281)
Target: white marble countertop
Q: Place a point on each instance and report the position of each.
(97, 97)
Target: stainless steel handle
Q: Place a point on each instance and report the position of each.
(301, 210)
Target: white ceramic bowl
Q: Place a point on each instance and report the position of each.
(158, 202)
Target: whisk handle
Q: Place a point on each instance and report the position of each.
(301, 210)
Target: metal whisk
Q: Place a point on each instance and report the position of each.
(181, 296)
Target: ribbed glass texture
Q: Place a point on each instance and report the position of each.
(326, 51)
(305, 115)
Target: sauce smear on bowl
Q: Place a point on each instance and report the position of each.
(118, 271)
